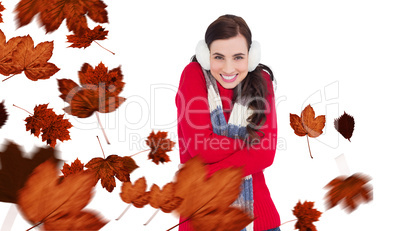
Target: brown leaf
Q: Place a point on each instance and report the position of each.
(99, 91)
(345, 125)
(85, 40)
(33, 61)
(350, 191)
(306, 215)
(164, 199)
(75, 167)
(113, 165)
(84, 220)
(7, 67)
(307, 123)
(3, 114)
(53, 127)
(159, 146)
(15, 169)
(53, 12)
(135, 193)
(46, 199)
(209, 199)
(1, 9)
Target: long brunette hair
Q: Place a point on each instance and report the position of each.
(254, 86)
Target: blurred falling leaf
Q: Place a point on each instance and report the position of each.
(206, 202)
(135, 193)
(53, 127)
(306, 215)
(3, 114)
(15, 169)
(159, 145)
(53, 12)
(350, 191)
(307, 124)
(55, 203)
(164, 199)
(113, 165)
(345, 125)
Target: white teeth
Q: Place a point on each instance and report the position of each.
(228, 77)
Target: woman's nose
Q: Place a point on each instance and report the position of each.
(228, 68)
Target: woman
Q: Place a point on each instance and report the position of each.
(226, 114)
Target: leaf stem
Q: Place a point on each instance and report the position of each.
(104, 48)
(287, 222)
(22, 108)
(101, 147)
(140, 152)
(309, 147)
(8, 77)
(152, 217)
(124, 212)
(103, 130)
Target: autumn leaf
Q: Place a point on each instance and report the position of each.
(7, 49)
(136, 193)
(75, 167)
(112, 166)
(207, 202)
(53, 127)
(15, 169)
(33, 61)
(307, 124)
(55, 203)
(164, 199)
(1, 9)
(3, 114)
(89, 36)
(350, 191)
(159, 145)
(53, 12)
(345, 125)
(99, 91)
(306, 215)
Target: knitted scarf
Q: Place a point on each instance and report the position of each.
(235, 128)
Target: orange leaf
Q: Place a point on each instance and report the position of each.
(75, 167)
(307, 123)
(206, 202)
(33, 61)
(7, 67)
(350, 191)
(135, 193)
(85, 40)
(46, 199)
(159, 146)
(306, 215)
(53, 12)
(113, 165)
(164, 199)
(99, 91)
(52, 126)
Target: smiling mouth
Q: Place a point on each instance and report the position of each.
(229, 78)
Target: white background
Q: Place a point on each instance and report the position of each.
(336, 55)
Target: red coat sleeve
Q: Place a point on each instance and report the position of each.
(194, 121)
(258, 156)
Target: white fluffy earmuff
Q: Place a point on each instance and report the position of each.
(203, 55)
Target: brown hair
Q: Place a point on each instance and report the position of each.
(254, 86)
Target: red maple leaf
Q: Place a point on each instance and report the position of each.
(53, 127)
(89, 36)
(306, 215)
(75, 167)
(1, 9)
(159, 146)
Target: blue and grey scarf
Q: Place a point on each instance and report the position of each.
(235, 128)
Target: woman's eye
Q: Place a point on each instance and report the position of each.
(238, 57)
(218, 57)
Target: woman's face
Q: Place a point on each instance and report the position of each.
(229, 60)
